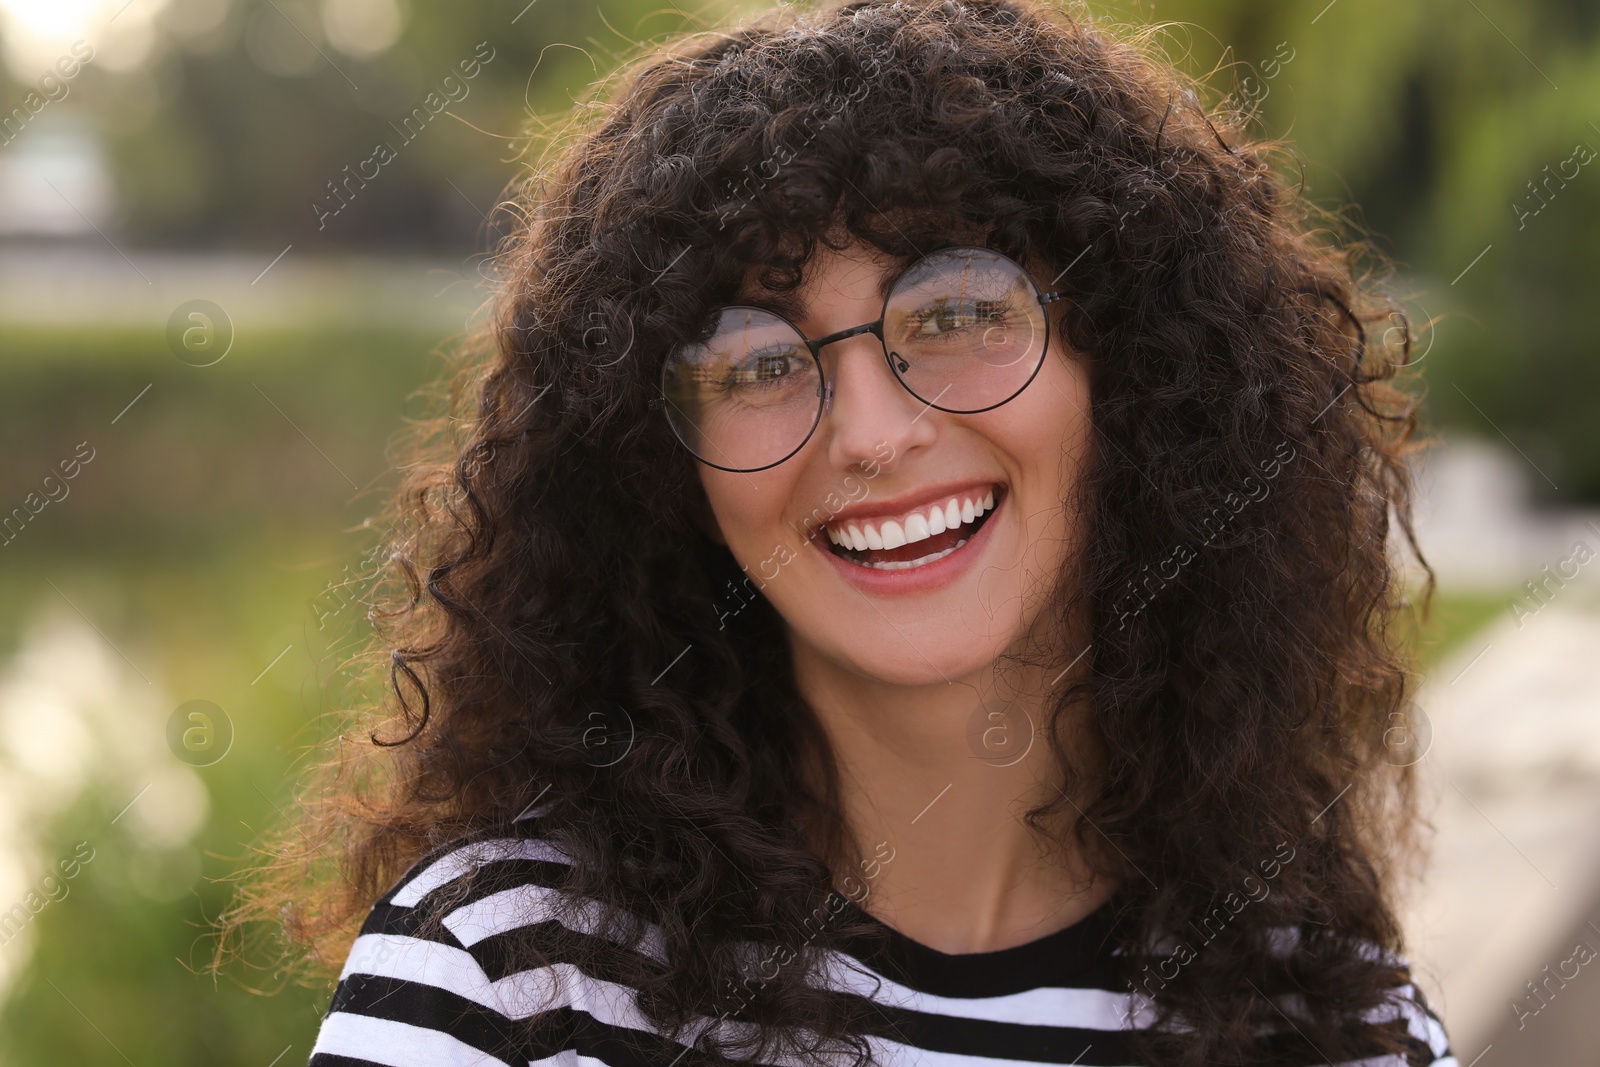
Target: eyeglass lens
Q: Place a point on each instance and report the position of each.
(963, 328)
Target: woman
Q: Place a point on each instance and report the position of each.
(914, 583)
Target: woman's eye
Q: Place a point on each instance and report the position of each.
(762, 367)
(945, 318)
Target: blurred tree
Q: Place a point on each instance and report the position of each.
(263, 119)
(1453, 133)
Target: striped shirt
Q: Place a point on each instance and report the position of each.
(412, 997)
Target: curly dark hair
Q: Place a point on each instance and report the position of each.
(1245, 667)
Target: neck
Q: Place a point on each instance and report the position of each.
(934, 781)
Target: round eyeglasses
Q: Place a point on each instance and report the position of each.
(963, 329)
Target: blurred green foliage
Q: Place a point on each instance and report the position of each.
(205, 537)
(232, 130)
(116, 974)
(1423, 124)
(267, 441)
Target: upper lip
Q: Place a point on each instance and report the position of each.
(915, 500)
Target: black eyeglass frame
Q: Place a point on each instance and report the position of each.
(815, 345)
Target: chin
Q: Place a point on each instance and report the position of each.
(939, 651)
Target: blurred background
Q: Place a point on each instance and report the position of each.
(235, 233)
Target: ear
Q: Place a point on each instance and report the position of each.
(701, 515)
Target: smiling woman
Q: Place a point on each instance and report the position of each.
(939, 789)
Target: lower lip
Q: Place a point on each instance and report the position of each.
(929, 576)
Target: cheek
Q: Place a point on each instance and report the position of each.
(748, 510)
(1047, 433)
(1046, 429)
(1068, 398)
(1066, 388)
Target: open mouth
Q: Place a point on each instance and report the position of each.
(917, 538)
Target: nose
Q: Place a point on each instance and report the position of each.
(867, 408)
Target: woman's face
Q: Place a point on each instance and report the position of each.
(926, 612)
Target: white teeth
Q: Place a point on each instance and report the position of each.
(865, 536)
(916, 528)
(908, 564)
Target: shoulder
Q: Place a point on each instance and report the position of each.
(423, 982)
(1412, 1019)
(1404, 1014)
(1400, 1030)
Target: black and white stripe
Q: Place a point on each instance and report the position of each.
(415, 995)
